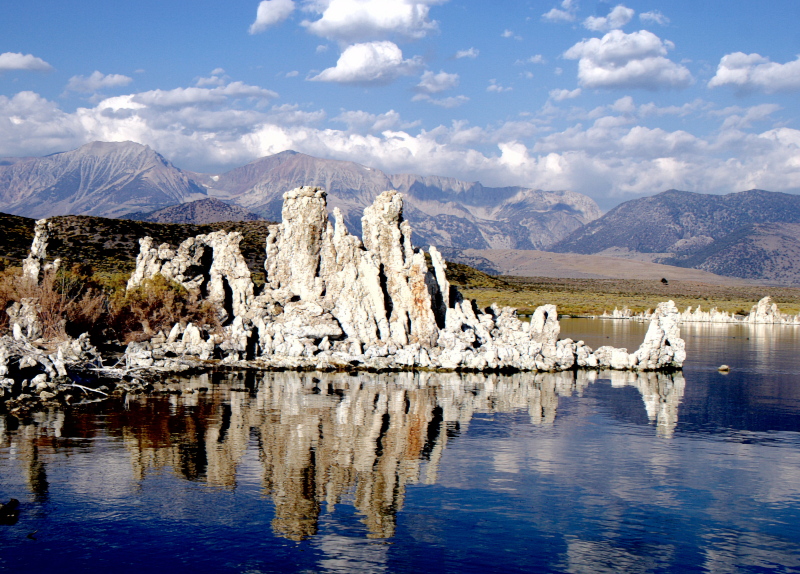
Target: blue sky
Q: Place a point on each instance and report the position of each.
(614, 100)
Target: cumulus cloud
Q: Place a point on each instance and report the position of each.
(359, 20)
(97, 81)
(449, 102)
(654, 17)
(620, 60)
(617, 18)
(497, 88)
(194, 96)
(377, 63)
(365, 122)
(561, 95)
(564, 14)
(271, 12)
(535, 59)
(510, 34)
(615, 153)
(10, 61)
(753, 72)
(431, 83)
(468, 53)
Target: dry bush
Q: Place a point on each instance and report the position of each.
(156, 305)
(74, 301)
(9, 279)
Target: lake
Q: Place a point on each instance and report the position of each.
(581, 471)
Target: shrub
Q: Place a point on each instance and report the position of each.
(156, 305)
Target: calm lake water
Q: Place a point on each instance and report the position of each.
(288, 472)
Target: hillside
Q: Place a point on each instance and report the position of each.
(578, 266)
(201, 211)
(751, 234)
(110, 245)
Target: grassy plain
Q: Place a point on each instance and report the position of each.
(594, 296)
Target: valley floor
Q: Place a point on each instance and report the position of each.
(594, 296)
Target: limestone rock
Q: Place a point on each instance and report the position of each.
(34, 263)
(212, 263)
(24, 319)
(388, 236)
(331, 301)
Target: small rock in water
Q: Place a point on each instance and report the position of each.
(723, 368)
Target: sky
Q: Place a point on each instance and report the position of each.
(613, 100)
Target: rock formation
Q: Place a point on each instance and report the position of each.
(765, 312)
(333, 301)
(34, 264)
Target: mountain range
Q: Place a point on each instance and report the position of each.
(750, 234)
(129, 179)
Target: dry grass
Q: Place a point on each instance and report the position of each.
(71, 302)
(594, 296)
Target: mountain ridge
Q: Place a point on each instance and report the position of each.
(129, 180)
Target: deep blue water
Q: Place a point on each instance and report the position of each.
(287, 472)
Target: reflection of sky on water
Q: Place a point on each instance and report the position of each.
(576, 472)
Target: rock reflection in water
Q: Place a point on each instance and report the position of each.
(321, 438)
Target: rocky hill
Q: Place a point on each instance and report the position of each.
(751, 234)
(106, 179)
(199, 212)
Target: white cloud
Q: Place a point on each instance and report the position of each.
(369, 63)
(468, 53)
(497, 88)
(561, 95)
(742, 119)
(431, 83)
(535, 59)
(565, 14)
(615, 154)
(620, 60)
(271, 12)
(654, 17)
(753, 72)
(449, 102)
(365, 122)
(181, 97)
(358, 20)
(617, 18)
(292, 115)
(96, 82)
(10, 61)
(510, 34)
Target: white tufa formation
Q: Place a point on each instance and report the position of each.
(765, 312)
(34, 263)
(333, 301)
